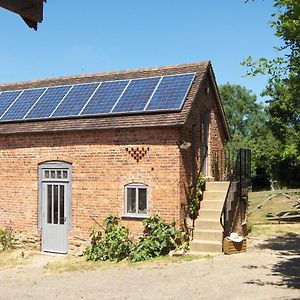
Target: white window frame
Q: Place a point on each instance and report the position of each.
(136, 186)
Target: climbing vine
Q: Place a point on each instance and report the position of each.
(194, 197)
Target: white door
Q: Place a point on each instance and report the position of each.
(55, 206)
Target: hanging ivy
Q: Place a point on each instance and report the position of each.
(195, 196)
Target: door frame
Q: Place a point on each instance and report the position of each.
(55, 165)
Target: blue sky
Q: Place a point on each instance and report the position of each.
(79, 37)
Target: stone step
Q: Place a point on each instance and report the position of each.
(208, 232)
(203, 253)
(208, 235)
(217, 185)
(205, 246)
(212, 204)
(214, 195)
(208, 213)
(208, 224)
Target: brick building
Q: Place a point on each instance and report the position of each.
(129, 149)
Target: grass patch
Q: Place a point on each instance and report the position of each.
(276, 204)
(13, 258)
(166, 260)
(80, 264)
(76, 264)
(274, 229)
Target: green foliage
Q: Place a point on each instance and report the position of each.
(287, 166)
(6, 238)
(283, 91)
(159, 238)
(114, 245)
(248, 122)
(246, 116)
(194, 197)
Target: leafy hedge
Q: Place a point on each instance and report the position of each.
(115, 245)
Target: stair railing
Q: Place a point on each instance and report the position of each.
(233, 166)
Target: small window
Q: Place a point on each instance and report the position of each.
(55, 174)
(136, 200)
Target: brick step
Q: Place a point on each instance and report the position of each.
(212, 204)
(205, 246)
(208, 213)
(208, 234)
(217, 185)
(208, 224)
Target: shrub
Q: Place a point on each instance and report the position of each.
(114, 245)
(159, 238)
(6, 238)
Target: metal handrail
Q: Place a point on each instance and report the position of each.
(241, 176)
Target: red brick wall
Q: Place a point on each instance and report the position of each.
(101, 167)
(206, 100)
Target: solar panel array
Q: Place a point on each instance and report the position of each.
(161, 93)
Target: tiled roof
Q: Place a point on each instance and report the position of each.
(153, 119)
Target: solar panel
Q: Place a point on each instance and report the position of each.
(73, 103)
(105, 97)
(48, 102)
(96, 98)
(19, 108)
(6, 99)
(171, 92)
(136, 95)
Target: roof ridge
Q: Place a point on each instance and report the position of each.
(109, 73)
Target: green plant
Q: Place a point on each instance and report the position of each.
(195, 196)
(6, 238)
(114, 245)
(159, 238)
(185, 246)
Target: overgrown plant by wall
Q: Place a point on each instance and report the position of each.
(159, 238)
(194, 197)
(6, 238)
(115, 245)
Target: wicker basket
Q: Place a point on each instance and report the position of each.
(230, 247)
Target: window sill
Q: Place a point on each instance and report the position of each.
(135, 216)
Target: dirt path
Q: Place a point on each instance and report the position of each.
(269, 270)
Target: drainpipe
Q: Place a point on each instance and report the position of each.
(193, 155)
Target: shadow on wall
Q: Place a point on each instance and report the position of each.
(287, 247)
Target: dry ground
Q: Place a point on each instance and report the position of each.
(269, 270)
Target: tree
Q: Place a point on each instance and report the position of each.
(242, 110)
(248, 124)
(283, 90)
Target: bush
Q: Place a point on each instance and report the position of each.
(114, 245)
(6, 238)
(159, 238)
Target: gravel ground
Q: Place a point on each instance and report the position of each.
(270, 269)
